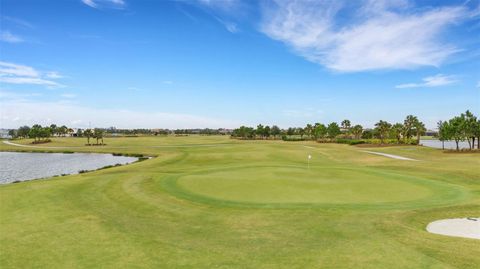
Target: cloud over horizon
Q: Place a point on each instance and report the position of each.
(428, 82)
(21, 74)
(18, 112)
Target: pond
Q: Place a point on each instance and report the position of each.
(21, 166)
(448, 144)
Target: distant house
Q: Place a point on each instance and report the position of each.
(4, 134)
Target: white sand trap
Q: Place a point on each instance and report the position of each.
(390, 155)
(466, 227)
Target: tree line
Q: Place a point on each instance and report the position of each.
(42, 134)
(384, 131)
(465, 127)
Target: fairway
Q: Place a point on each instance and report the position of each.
(215, 202)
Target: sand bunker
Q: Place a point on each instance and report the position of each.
(466, 227)
(389, 155)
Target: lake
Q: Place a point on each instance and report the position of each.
(448, 144)
(21, 166)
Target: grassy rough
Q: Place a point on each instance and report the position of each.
(212, 202)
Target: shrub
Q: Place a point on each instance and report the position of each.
(292, 138)
(350, 141)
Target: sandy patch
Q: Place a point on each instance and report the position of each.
(389, 155)
(466, 227)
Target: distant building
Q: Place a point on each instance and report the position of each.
(4, 134)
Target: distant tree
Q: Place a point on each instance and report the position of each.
(333, 130)
(357, 131)
(469, 126)
(346, 125)
(309, 130)
(301, 131)
(319, 131)
(290, 131)
(368, 134)
(23, 131)
(13, 133)
(98, 134)
(275, 131)
(382, 128)
(35, 132)
(396, 131)
(476, 132)
(260, 130)
(408, 126)
(456, 130)
(54, 129)
(444, 132)
(419, 130)
(63, 130)
(88, 133)
(267, 131)
(79, 132)
(45, 133)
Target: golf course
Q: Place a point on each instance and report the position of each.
(216, 202)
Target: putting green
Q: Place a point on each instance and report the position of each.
(301, 186)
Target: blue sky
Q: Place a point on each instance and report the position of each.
(186, 64)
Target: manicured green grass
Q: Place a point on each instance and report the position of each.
(213, 202)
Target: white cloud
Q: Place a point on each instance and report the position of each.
(21, 74)
(379, 34)
(8, 37)
(230, 26)
(17, 112)
(16, 96)
(104, 3)
(432, 81)
(18, 22)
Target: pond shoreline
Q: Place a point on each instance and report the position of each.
(80, 166)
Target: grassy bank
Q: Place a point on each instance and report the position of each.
(207, 202)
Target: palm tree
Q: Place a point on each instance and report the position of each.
(419, 130)
(397, 129)
(260, 130)
(54, 129)
(346, 125)
(88, 133)
(309, 130)
(357, 131)
(408, 125)
(301, 132)
(98, 134)
(382, 128)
